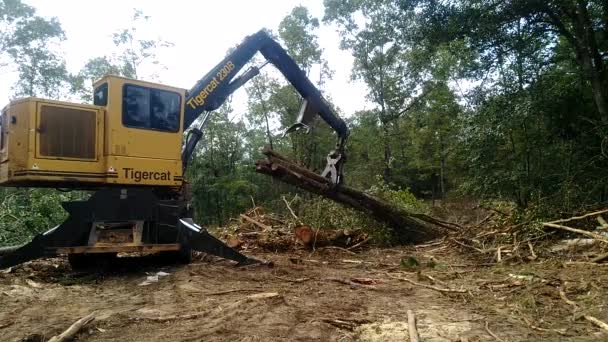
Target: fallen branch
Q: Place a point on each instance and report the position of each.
(411, 323)
(568, 244)
(578, 231)
(574, 218)
(562, 295)
(433, 279)
(592, 319)
(73, 329)
(297, 280)
(533, 255)
(537, 328)
(431, 287)
(7, 324)
(602, 222)
(231, 291)
(359, 244)
(493, 334)
(600, 258)
(587, 263)
(345, 250)
(473, 247)
(290, 210)
(348, 324)
(257, 223)
(349, 282)
(597, 322)
(171, 318)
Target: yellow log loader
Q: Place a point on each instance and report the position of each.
(132, 147)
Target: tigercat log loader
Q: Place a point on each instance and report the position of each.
(129, 147)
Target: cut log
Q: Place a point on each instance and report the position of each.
(312, 238)
(409, 227)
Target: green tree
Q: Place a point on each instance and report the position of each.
(135, 53)
(135, 50)
(381, 61)
(29, 42)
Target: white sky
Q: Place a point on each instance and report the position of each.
(202, 32)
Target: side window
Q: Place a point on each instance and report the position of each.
(100, 95)
(150, 108)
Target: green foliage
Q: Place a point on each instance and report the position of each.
(133, 53)
(136, 50)
(25, 213)
(400, 198)
(322, 213)
(30, 43)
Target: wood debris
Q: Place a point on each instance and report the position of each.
(411, 323)
(348, 324)
(73, 329)
(431, 287)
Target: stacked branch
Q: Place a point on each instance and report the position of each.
(410, 226)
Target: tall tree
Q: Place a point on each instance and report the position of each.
(29, 43)
(385, 65)
(136, 57)
(134, 49)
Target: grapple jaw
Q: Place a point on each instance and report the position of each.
(195, 237)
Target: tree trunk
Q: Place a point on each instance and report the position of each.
(408, 227)
(588, 56)
(442, 166)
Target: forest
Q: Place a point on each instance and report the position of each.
(501, 103)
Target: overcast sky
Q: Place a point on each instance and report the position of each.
(202, 32)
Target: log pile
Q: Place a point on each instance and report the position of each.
(410, 227)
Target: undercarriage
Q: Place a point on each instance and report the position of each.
(123, 220)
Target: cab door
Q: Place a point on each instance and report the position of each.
(151, 123)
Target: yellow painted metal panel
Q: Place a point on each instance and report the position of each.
(145, 171)
(123, 155)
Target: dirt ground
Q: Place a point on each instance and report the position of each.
(330, 295)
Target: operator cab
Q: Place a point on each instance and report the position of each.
(132, 134)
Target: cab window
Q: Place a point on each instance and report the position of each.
(150, 108)
(100, 95)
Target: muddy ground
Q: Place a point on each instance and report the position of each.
(331, 295)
